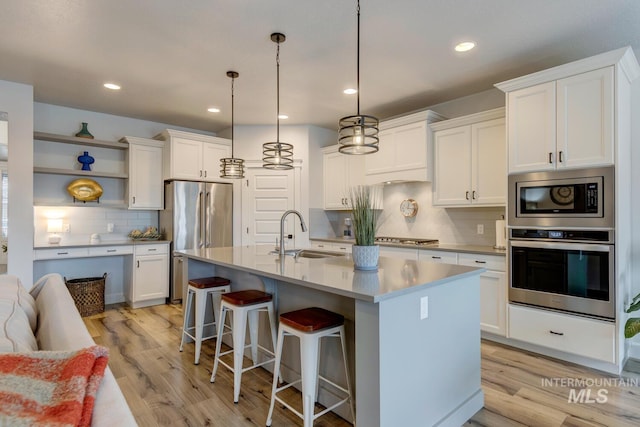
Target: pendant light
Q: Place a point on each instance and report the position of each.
(358, 134)
(231, 167)
(277, 155)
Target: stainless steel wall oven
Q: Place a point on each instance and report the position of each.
(561, 240)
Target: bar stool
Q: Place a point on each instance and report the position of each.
(202, 288)
(309, 325)
(244, 305)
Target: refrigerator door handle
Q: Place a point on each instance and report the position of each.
(206, 219)
(201, 220)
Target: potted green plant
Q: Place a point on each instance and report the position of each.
(632, 327)
(364, 216)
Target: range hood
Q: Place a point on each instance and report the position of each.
(406, 150)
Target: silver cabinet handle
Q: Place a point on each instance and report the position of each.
(466, 195)
(550, 158)
(560, 156)
(556, 333)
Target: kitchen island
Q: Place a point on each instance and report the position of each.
(413, 327)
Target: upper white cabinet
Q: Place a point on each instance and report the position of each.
(146, 189)
(470, 160)
(566, 117)
(340, 172)
(192, 156)
(405, 150)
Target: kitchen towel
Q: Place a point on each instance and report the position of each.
(501, 234)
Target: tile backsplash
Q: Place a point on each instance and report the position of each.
(84, 221)
(451, 225)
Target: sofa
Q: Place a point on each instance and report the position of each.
(46, 318)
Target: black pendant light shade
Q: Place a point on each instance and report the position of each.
(358, 134)
(231, 167)
(277, 155)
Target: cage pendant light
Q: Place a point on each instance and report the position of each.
(277, 155)
(358, 134)
(231, 167)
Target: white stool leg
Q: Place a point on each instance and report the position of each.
(187, 317)
(254, 316)
(201, 307)
(274, 329)
(215, 302)
(239, 331)
(346, 373)
(309, 371)
(220, 325)
(276, 374)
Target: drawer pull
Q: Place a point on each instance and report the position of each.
(556, 333)
(138, 264)
(152, 250)
(436, 257)
(111, 250)
(481, 262)
(63, 253)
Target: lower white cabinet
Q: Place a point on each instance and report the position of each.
(337, 247)
(493, 291)
(404, 253)
(565, 332)
(443, 257)
(150, 284)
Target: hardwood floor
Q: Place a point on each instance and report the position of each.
(164, 387)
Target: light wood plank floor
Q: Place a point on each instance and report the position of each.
(164, 387)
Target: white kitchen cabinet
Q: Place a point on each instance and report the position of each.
(337, 247)
(566, 123)
(404, 253)
(146, 186)
(340, 173)
(404, 150)
(443, 257)
(193, 157)
(493, 291)
(565, 332)
(470, 160)
(150, 284)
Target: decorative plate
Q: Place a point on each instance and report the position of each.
(84, 189)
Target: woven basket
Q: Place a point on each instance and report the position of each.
(88, 294)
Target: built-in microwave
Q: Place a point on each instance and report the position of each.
(577, 198)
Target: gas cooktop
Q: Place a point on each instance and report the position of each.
(406, 241)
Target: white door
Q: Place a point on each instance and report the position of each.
(150, 277)
(489, 163)
(585, 119)
(211, 155)
(452, 151)
(334, 168)
(266, 195)
(145, 177)
(186, 159)
(493, 297)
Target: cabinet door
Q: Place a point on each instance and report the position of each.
(335, 177)
(531, 115)
(585, 119)
(410, 143)
(452, 151)
(145, 177)
(493, 302)
(186, 159)
(211, 155)
(443, 257)
(151, 280)
(489, 163)
(404, 253)
(384, 160)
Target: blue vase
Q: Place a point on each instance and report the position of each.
(86, 161)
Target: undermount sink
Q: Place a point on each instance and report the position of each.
(310, 253)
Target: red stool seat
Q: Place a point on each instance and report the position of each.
(248, 297)
(209, 282)
(311, 319)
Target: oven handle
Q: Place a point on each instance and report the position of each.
(558, 245)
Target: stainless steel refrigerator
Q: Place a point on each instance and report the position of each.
(196, 215)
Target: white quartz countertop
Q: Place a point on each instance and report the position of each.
(102, 243)
(473, 249)
(336, 275)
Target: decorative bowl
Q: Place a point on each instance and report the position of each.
(84, 189)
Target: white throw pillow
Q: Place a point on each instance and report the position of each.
(11, 288)
(15, 332)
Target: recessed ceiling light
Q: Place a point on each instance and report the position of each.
(464, 46)
(350, 91)
(283, 116)
(112, 86)
(213, 110)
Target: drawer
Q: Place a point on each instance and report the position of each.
(490, 262)
(438, 256)
(404, 253)
(322, 246)
(111, 250)
(342, 247)
(564, 332)
(60, 253)
(151, 249)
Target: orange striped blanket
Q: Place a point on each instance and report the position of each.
(52, 388)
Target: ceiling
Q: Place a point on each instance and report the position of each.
(171, 57)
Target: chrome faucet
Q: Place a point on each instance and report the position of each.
(284, 215)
